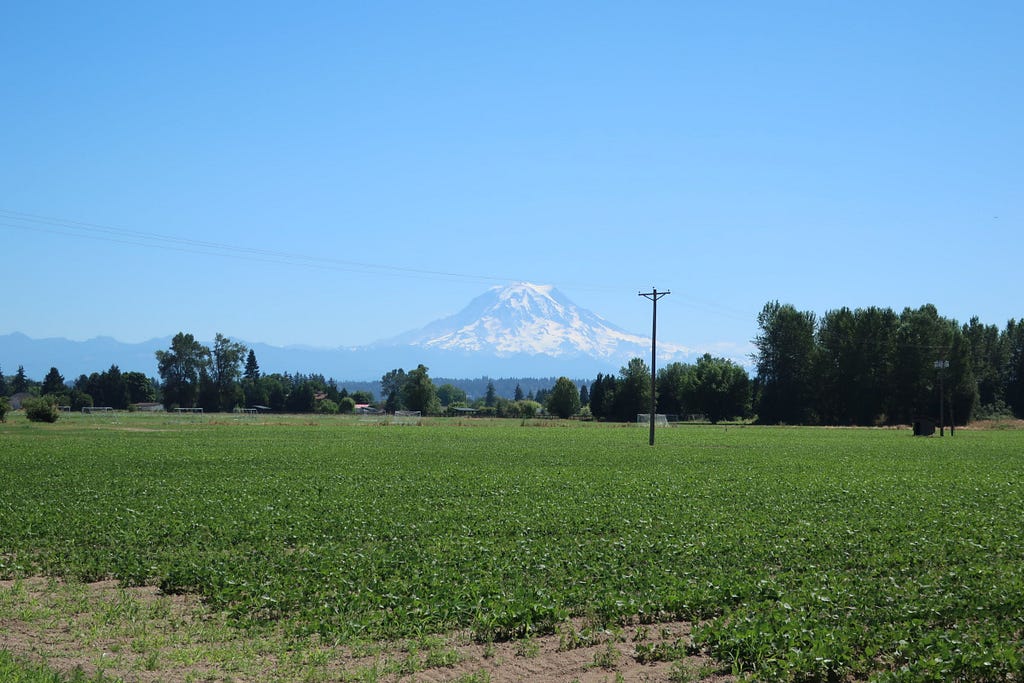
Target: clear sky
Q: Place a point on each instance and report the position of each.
(334, 173)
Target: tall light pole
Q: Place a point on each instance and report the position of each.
(653, 295)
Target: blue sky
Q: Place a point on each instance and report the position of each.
(335, 173)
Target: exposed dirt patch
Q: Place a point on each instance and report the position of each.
(140, 634)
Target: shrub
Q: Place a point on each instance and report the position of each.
(5, 406)
(529, 408)
(41, 409)
(347, 405)
(327, 407)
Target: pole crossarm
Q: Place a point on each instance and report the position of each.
(653, 296)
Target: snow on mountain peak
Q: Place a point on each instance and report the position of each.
(527, 318)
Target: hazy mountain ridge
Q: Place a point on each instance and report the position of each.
(522, 330)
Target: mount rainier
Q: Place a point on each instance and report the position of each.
(531, 322)
(519, 330)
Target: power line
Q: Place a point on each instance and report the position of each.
(36, 223)
(172, 243)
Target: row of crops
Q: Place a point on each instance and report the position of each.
(804, 554)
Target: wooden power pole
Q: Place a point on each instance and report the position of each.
(654, 295)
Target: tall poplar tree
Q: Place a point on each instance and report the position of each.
(226, 371)
(785, 363)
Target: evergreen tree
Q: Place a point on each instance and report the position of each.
(1014, 391)
(491, 397)
(20, 382)
(114, 388)
(3, 384)
(518, 395)
(301, 398)
(597, 405)
(252, 368)
(584, 395)
(53, 383)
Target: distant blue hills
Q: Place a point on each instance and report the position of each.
(73, 358)
(519, 330)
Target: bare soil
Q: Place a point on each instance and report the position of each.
(142, 635)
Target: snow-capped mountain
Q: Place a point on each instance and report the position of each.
(533, 320)
(522, 330)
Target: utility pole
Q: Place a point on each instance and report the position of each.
(653, 295)
(941, 366)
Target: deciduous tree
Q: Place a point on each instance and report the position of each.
(226, 371)
(632, 391)
(449, 394)
(564, 399)
(721, 388)
(675, 384)
(139, 387)
(391, 389)
(418, 392)
(179, 369)
(785, 362)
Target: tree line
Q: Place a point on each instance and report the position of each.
(228, 376)
(868, 366)
(873, 366)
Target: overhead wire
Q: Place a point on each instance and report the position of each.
(106, 233)
(94, 231)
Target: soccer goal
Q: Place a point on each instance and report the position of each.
(105, 411)
(407, 417)
(190, 414)
(660, 420)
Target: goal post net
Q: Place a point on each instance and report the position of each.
(407, 417)
(660, 419)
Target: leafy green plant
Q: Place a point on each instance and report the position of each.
(802, 553)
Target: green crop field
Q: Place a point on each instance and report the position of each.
(801, 554)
